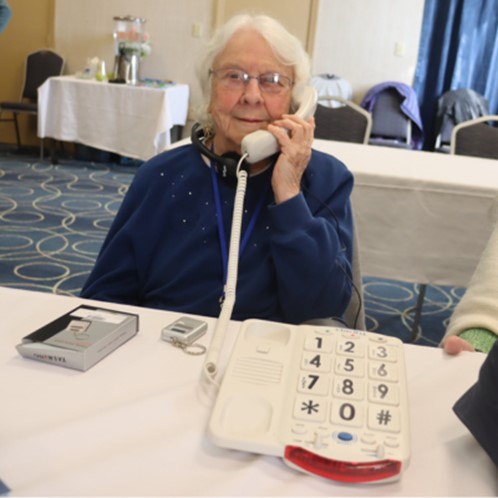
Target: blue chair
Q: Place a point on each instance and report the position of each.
(396, 120)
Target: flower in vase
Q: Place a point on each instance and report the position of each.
(132, 43)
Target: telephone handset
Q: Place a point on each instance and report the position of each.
(262, 143)
(255, 147)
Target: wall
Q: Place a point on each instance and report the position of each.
(298, 16)
(30, 28)
(354, 39)
(357, 40)
(81, 34)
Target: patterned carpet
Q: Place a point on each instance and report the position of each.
(53, 219)
(390, 304)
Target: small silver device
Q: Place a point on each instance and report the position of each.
(184, 331)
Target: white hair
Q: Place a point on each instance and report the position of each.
(287, 49)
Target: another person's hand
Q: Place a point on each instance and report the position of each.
(455, 345)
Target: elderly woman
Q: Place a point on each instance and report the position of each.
(167, 247)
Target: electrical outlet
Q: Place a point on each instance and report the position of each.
(196, 29)
(399, 49)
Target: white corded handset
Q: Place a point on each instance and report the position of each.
(255, 147)
(260, 144)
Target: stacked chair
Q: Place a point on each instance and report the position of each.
(347, 122)
(476, 137)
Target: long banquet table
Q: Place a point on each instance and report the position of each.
(133, 121)
(422, 217)
(135, 423)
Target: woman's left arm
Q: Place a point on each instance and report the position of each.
(312, 243)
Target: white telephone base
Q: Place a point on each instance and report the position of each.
(330, 401)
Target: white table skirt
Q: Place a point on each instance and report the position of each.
(135, 423)
(133, 121)
(422, 217)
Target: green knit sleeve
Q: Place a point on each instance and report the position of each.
(481, 339)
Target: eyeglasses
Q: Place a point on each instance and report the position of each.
(236, 79)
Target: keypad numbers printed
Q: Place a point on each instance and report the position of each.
(383, 392)
(347, 413)
(348, 382)
(316, 362)
(351, 346)
(311, 409)
(318, 343)
(349, 366)
(383, 352)
(384, 418)
(348, 388)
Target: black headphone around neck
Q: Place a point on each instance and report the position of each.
(226, 164)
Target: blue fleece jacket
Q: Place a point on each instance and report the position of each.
(163, 248)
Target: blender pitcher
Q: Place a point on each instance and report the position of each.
(128, 39)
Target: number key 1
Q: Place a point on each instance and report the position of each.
(315, 342)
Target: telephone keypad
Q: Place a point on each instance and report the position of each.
(350, 380)
(316, 395)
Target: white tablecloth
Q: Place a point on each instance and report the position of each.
(133, 121)
(422, 216)
(134, 424)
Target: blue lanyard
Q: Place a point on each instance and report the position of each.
(221, 228)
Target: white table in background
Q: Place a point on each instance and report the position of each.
(422, 217)
(133, 121)
(134, 424)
